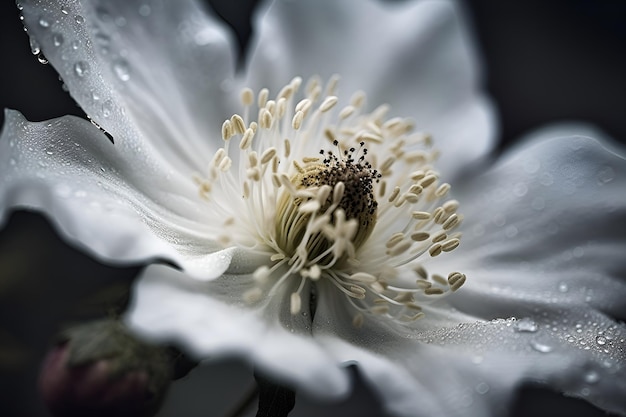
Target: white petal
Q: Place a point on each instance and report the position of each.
(208, 320)
(473, 369)
(416, 56)
(150, 74)
(118, 209)
(548, 223)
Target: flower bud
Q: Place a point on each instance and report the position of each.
(99, 369)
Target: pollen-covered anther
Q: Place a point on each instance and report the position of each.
(329, 193)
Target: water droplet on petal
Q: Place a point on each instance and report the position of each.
(592, 377)
(482, 388)
(520, 189)
(42, 58)
(120, 21)
(122, 70)
(601, 340)
(606, 175)
(43, 22)
(63, 190)
(525, 325)
(540, 347)
(79, 19)
(107, 108)
(538, 203)
(145, 10)
(563, 287)
(531, 165)
(81, 68)
(57, 39)
(75, 45)
(64, 11)
(34, 46)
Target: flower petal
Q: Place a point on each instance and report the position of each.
(206, 320)
(100, 199)
(150, 74)
(416, 56)
(544, 242)
(473, 369)
(548, 223)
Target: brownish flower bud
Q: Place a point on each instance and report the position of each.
(99, 369)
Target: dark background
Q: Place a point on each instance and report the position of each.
(546, 61)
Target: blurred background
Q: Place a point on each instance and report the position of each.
(546, 61)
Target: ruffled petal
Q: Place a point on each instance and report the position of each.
(119, 209)
(548, 224)
(208, 320)
(544, 242)
(153, 74)
(416, 56)
(472, 369)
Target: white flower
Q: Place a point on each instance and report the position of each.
(309, 281)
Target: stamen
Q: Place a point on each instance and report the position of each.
(340, 195)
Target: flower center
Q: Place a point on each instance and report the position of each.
(351, 181)
(367, 223)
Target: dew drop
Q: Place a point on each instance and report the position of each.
(482, 388)
(57, 39)
(538, 203)
(540, 347)
(81, 68)
(64, 190)
(499, 219)
(563, 287)
(145, 10)
(601, 340)
(42, 58)
(477, 360)
(107, 108)
(592, 377)
(75, 45)
(79, 19)
(35, 49)
(120, 21)
(531, 166)
(525, 325)
(606, 175)
(122, 70)
(64, 11)
(44, 23)
(520, 189)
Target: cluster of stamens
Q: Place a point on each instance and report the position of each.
(365, 222)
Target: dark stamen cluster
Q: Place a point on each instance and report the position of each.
(358, 176)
